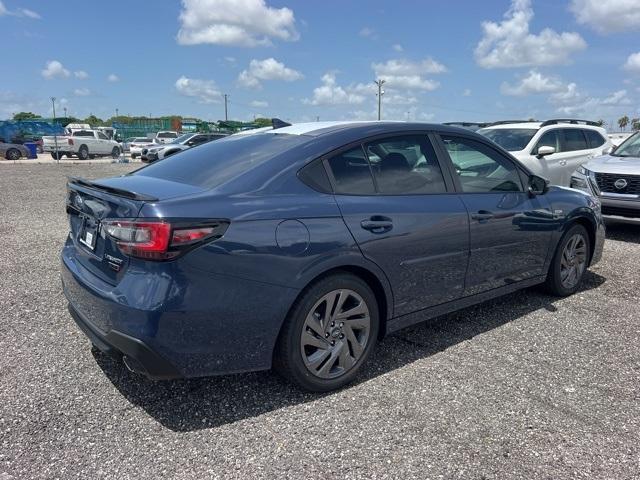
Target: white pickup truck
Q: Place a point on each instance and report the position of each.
(82, 143)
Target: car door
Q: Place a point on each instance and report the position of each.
(102, 144)
(575, 152)
(403, 213)
(510, 230)
(551, 166)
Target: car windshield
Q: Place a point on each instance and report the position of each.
(630, 147)
(183, 138)
(215, 163)
(511, 139)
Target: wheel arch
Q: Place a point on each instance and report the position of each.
(589, 223)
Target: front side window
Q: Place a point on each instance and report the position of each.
(102, 136)
(351, 173)
(481, 169)
(405, 165)
(574, 140)
(630, 147)
(549, 139)
(511, 139)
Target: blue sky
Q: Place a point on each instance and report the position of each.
(300, 60)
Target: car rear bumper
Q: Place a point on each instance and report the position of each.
(177, 321)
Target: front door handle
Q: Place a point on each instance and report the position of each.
(377, 224)
(482, 215)
(562, 162)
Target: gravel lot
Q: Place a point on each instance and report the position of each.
(528, 386)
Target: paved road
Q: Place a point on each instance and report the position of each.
(528, 386)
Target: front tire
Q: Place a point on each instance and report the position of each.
(13, 154)
(329, 333)
(83, 152)
(115, 153)
(569, 262)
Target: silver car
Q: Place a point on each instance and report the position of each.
(13, 151)
(614, 179)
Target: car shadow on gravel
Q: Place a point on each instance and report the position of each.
(623, 230)
(189, 405)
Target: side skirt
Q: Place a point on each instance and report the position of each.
(428, 313)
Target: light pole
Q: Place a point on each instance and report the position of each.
(226, 116)
(55, 136)
(65, 112)
(379, 83)
(116, 113)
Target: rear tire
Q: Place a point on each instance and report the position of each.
(12, 154)
(83, 152)
(569, 262)
(329, 333)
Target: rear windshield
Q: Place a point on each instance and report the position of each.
(140, 140)
(167, 135)
(511, 139)
(214, 163)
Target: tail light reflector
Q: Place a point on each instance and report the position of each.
(159, 240)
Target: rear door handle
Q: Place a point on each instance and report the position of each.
(482, 215)
(377, 224)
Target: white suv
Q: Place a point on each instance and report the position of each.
(553, 149)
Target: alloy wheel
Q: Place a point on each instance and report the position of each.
(574, 261)
(335, 333)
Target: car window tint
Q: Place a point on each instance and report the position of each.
(548, 139)
(574, 139)
(82, 133)
(405, 165)
(594, 138)
(102, 136)
(480, 168)
(351, 173)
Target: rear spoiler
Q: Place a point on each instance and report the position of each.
(119, 192)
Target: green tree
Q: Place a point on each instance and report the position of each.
(263, 122)
(93, 121)
(623, 122)
(600, 123)
(635, 124)
(25, 116)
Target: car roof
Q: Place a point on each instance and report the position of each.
(529, 125)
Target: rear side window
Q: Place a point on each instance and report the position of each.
(405, 165)
(351, 173)
(594, 138)
(574, 139)
(215, 163)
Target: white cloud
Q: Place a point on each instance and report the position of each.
(268, 69)
(20, 12)
(510, 44)
(368, 33)
(246, 23)
(55, 69)
(259, 104)
(574, 103)
(113, 78)
(397, 47)
(81, 75)
(633, 63)
(330, 93)
(534, 82)
(205, 91)
(402, 73)
(607, 16)
(82, 92)
(466, 92)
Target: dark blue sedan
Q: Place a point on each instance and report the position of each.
(302, 246)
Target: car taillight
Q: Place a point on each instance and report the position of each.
(70, 140)
(160, 240)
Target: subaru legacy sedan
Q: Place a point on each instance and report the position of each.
(302, 246)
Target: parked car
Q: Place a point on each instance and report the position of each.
(83, 144)
(136, 145)
(614, 179)
(473, 126)
(126, 142)
(304, 245)
(13, 151)
(166, 136)
(552, 149)
(183, 142)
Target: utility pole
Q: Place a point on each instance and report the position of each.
(379, 83)
(317, 118)
(65, 112)
(55, 137)
(226, 116)
(116, 113)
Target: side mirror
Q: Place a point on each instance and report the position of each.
(537, 185)
(610, 149)
(545, 150)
